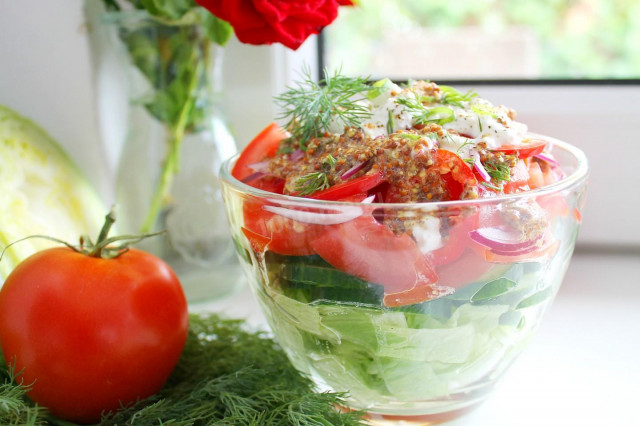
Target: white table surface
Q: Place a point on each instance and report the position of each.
(583, 366)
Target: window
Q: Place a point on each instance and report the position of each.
(487, 39)
(571, 68)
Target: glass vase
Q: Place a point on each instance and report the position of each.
(176, 139)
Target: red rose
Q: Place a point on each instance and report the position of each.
(289, 22)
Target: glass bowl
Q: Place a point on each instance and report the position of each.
(415, 310)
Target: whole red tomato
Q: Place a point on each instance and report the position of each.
(90, 334)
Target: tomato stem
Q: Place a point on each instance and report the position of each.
(103, 247)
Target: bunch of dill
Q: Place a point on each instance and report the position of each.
(226, 376)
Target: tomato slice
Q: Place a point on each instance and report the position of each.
(519, 179)
(351, 187)
(264, 145)
(367, 249)
(456, 242)
(528, 148)
(455, 172)
(270, 231)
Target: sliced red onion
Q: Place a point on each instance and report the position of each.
(345, 214)
(262, 166)
(501, 240)
(477, 165)
(369, 199)
(548, 159)
(296, 155)
(353, 170)
(253, 176)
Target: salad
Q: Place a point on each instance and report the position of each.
(400, 239)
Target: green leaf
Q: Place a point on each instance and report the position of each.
(535, 298)
(493, 289)
(217, 30)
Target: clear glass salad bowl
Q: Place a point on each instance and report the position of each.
(415, 310)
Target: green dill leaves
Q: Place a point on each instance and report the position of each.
(15, 408)
(423, 114)
(499, 172)
(451, 96)
(311, 182)
(311, 107)
(316, 181)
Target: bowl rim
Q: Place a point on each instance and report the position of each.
(577, 177)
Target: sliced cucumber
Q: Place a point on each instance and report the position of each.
(41, 192)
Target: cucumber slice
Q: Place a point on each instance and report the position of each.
(41, 192)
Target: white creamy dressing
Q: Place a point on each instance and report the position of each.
(478, 119)
(427, 234)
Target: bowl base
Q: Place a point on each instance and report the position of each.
(378, 419)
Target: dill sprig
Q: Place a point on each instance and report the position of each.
(316, 181)
(499, 172)
(425, 114)
(15, 408)
(452, 96)
(226, 376)
(310, 107)
(311, 182)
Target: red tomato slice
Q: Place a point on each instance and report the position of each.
(528, 148)
(456, 242)
(369, 250)
(455, 172)
(519, 179)
(264, 145)
(276, 233)
(355, 186)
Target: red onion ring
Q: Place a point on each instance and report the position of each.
(353, 170)
(253, 176)
(345, 214)
(502, 241)
(262, 166)
(548, 159)
(296, 155)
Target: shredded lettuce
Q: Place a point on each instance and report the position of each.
(411, 354)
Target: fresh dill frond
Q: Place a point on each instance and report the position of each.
(15, 407)
(311, 182)
(499, 172)
(423, 114)
(311, 107)
(452, 96)
(329, 162)
(491, 185)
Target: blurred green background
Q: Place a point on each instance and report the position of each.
(496, 39)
